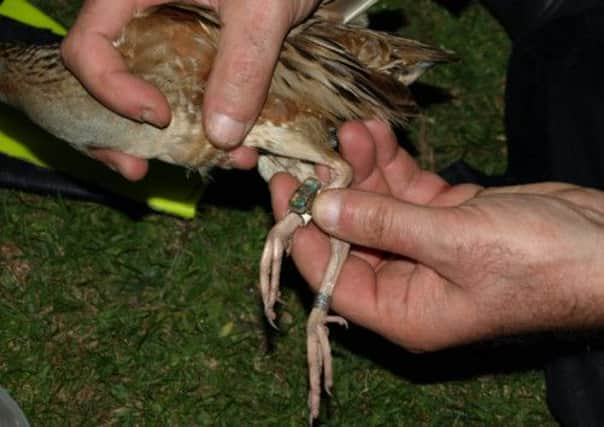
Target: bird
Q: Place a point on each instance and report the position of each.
(331, 69)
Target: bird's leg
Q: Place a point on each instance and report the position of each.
(318, 349)
(307, 150)
(317, 334)
(279, 241)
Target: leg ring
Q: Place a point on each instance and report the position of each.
(322, 301)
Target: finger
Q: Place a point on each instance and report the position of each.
(358, 148)
(250, 41)
(243, 158)
(130, 167)
(387, 146)
(588, 198)
(282, 187)
(406, 180)
(546, 188)
(372, 257)
(585, 197)
(89, 53)
(421, 233)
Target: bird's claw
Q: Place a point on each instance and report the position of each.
(277, 243)
(319, 357)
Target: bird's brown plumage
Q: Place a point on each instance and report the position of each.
(327, 73)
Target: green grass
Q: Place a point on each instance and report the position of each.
(108, 320)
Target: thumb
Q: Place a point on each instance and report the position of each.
(425, 234)
(249, 46)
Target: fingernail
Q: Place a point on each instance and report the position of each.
(113, 167)
(148, 116)
(326, 210)
(117, 168)
(225, 130)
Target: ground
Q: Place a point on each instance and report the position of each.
(156, 321)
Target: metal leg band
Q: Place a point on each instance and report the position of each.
(322, 301)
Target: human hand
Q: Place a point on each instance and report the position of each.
(250, 41)
(451, 264)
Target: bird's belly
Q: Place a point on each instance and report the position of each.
(85, 123)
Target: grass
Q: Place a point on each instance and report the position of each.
(108, 320)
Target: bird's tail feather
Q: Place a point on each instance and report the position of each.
(401, 58)
(340, 83)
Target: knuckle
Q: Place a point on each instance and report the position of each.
(212, 4)
(69, 50)
(378, 224)
(301, 8)
(252, 57)
(74, 50)
(267, 16)
(246, 71)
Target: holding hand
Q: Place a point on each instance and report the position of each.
(250, 42)
(439, 265)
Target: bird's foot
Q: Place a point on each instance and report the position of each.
(279, 241)
(318, 352)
